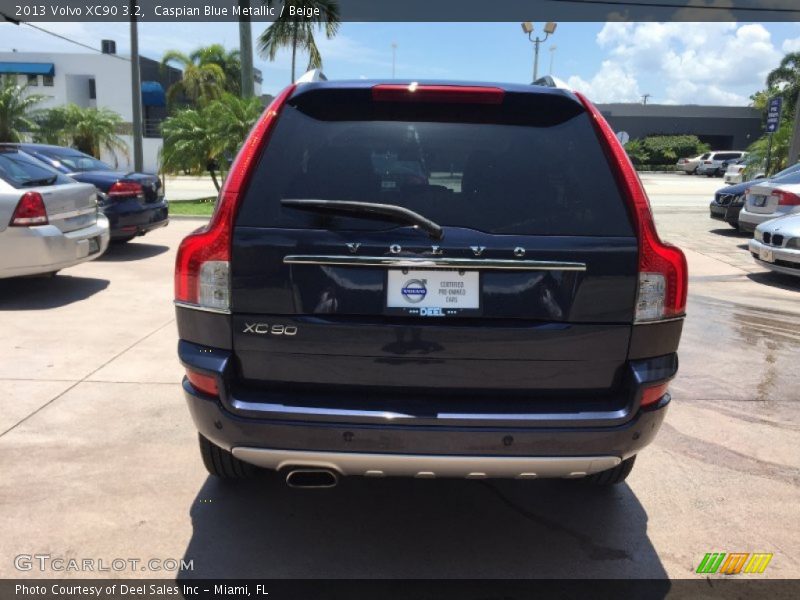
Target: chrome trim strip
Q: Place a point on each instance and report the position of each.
(657, 321)
(219, 311)
(428, 465)
(432, 263)
(74, 213)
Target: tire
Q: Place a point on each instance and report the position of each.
(123, 240)
(221, 463)
(613, 476)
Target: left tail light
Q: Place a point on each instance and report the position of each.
(30, 211)
(202, 382)
(202, 267)
(124, 189)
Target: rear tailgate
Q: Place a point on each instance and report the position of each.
(532, 288)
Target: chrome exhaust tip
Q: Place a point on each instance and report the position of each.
(312, 478)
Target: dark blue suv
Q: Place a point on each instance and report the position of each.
(429, 280)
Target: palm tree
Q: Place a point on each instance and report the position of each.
(16, 110)
(51, 127)
(229, 61)
(94, 129)
(201, 83)
(207, 138)
(298, 32)
(190, 143)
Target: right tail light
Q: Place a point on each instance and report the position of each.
(663, 273)
(786, 198)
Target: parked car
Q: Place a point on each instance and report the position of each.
(776, 245)
(711, 165)
(729, 201)
(734, 171)
(48, 222)
(689, 165)
(465, 327)
(133, 202)
(770, 199)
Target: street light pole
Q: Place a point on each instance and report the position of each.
(527, 27)
(552, 55)
(394, 56)
(136, 94)
(246, 51)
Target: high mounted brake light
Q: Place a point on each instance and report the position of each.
(663, 273)
(446, 94)
(202, 276)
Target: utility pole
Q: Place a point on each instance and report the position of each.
(394, 57)
(644, 98)
(136, 93)
(246, 50)
(794, 147)
(552, 55)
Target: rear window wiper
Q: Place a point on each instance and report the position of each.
(42, 181)
(368, 210)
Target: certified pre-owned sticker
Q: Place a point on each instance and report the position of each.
(414, 291)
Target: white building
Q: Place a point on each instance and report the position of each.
(101, 80)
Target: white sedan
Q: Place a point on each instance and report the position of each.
(776, 245)
(48, 221)
(768, 200)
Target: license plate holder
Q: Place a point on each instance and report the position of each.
(766, 254)
(432, 292)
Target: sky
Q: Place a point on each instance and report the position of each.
(675, 63)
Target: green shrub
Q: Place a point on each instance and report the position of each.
(664, 149)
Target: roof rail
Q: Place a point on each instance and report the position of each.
(550, 81)
(312, 76)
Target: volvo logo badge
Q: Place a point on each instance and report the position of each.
(395, 248)
(477, 250)
(353, 247)
(519, 252)
(436, 250)
(414, 290)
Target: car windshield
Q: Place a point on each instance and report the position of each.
(22, 170)
(77, 161)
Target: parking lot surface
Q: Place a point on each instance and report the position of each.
(99, 456)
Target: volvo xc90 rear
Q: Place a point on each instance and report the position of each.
(429, 280)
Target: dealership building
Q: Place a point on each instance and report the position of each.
(722, 127)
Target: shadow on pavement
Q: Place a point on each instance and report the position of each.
(731, 232)
(399, 528)
(40, 293)
(777, 280)
(119, 252)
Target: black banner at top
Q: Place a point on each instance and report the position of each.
(405, 10)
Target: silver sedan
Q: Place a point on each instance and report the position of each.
(47, 221)
(776, 245)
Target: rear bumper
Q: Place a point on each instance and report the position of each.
(729, 213)
(365, 442)
(129, 218)
(45, 248)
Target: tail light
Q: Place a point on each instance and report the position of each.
(663, 273)
(448, 94)
(203, 383)
(652, 394)
(125, 189)
(30, 211)
(706, 162)
(786, 198)
(202, 267)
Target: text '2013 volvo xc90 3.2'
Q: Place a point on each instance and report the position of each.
(429, 280)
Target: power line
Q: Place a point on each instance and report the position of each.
(643, 4)
(66, 39)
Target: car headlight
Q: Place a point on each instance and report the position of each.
(793, 243)
(759, 235)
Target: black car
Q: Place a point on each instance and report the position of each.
(133, 202)
(729, 201)
(508, 312)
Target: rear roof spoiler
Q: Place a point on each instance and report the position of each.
(550, 81)
(312, 76)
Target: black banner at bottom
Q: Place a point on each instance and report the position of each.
(416, 589)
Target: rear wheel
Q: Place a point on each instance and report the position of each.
(223, 464)
(613, 476)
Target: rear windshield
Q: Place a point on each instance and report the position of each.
(75, 161)
(545, 179)
(22, 170)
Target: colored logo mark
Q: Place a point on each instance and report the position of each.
(734, 563)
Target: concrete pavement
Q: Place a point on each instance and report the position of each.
(99, 456)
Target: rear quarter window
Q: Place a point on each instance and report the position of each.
(550, 177)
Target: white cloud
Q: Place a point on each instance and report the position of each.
(700, 63)
(791, 45)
